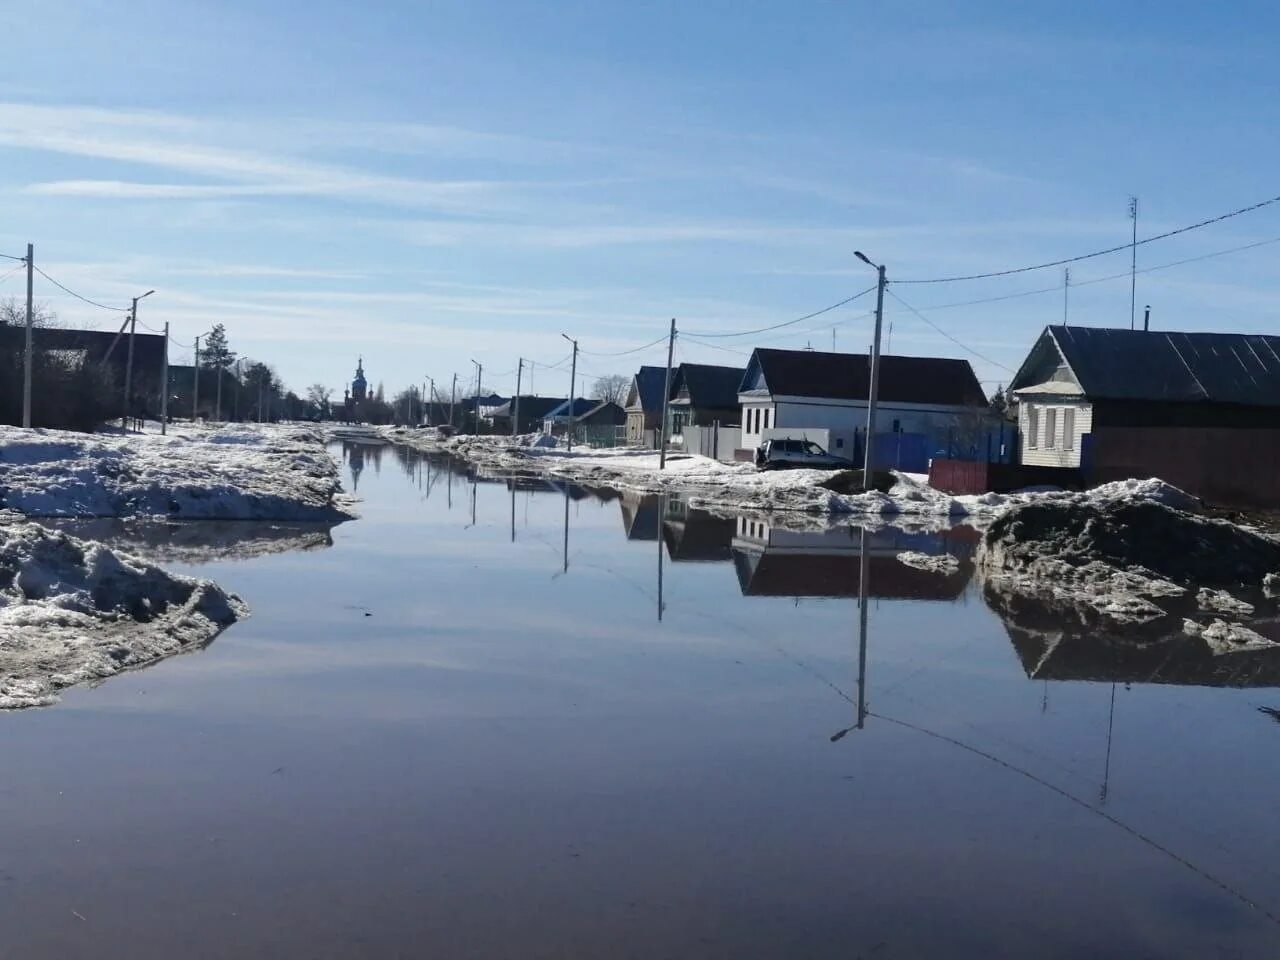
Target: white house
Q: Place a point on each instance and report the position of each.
(1054, 414)
(786, 392)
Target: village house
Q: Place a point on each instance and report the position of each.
(809, 394)
(644, 406)
(1199, 410)
(601, 417)
(703, 395)
(532, 412)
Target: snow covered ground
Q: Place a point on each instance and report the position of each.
(740, 486)
(73, 611)
(236, 472)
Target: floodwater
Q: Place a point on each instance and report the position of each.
(506, 719)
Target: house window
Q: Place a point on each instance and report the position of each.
(677, 424)
(1033, 426)
(1050, 429)
(766, 418)
(1068, 428)
(839, 442)
(897, 426)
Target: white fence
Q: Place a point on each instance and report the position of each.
(714, 441)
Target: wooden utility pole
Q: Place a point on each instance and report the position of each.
(128, 365)
(164, 384)
(195, 393)
(476, 412)
(573, 379)
(873, 394)
(666, 398)
(27, 355)
(515, 417)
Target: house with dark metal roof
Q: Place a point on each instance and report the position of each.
(810, 390)
(644, 406)
(1200, 410)
(583, 412)
(702, 395)
(532, 411)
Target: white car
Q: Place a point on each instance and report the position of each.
(780, 454)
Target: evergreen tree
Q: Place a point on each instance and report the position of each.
(214, 352)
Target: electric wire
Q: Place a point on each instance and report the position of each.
(12, 272)
(1100, 253)
(962, 346)
(65, 289)
(623, 353)
(10, 256)
(778, 326)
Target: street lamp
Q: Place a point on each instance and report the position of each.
(476, 412)
(128, 368)
(874, 387)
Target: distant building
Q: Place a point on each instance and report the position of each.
(702, 395)
(532, 411)
(644, 406)
(355, 399)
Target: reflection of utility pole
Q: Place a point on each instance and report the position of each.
(1106, 770)
(864, 578)
(475, 484)
(513, 511)
(662, 511)
(566, 528)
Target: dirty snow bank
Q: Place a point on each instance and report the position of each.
(73, 611)
(1121, 557)
(710, 483)
(238, 472)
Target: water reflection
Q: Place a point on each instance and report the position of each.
(199, 541)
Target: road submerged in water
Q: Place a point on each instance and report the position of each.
(520, 718)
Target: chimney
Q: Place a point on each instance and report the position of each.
(1146, 319)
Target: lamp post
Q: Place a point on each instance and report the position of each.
(128, 367)
(873, 393)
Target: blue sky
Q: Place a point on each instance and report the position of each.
(427, 183)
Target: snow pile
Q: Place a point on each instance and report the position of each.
(198, 541)
(1223, 638)
(1120, 556)
(73, 611)
(944, 563)
(234, 473)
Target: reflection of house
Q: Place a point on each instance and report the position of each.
(640, 515)
(1201, 410)
(644, 406)
(702, 395)
(771, 562)
(1057, 645)
(696, 535)
(800, 390)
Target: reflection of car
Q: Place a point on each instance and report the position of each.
(778, 454)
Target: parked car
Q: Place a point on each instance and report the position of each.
(780, 454)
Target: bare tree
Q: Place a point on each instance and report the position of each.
(319, 394)
(613, 388)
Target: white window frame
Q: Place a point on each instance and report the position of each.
(1051, 428)
(1033, 426)
(1068, 428)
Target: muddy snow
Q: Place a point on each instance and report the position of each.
(74, 611)
(240, 472)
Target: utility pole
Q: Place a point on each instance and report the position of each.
(164, 384)
(431, 399)
(515, 419)
(195, 393)
(218, 402)
(27, 354)
(874, 391)
(453, 394)
(573, 380)
(666, 399)
(1066, 286)
(1133, 263)
(235, 400)
(128, 366)
(476, 412)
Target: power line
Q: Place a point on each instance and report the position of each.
(1114, 276)
(623, 353)
(9, 256)
(962, 346)
(94, 303)
(778, 326)
(713, 346)
(1102, 253)
(13, 271)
